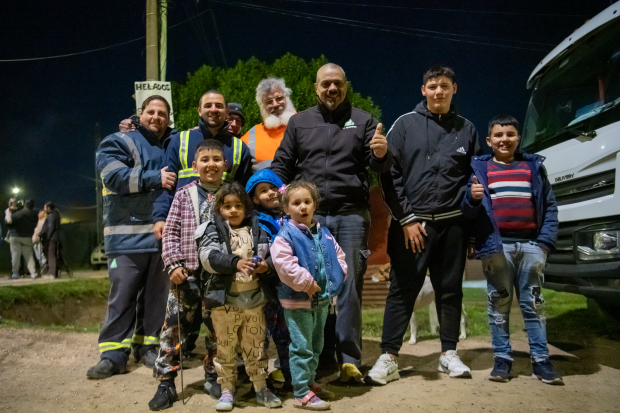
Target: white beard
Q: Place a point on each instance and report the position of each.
(273, 121)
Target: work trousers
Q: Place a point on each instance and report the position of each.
(136, 305)
(350, 229)
(22, 247)
(185, 305)
(244, 328)
(444, 257)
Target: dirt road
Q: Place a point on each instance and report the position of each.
(46, 372)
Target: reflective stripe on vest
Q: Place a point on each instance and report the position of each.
(237, 147)
(185, 172)
(188, 172)
(252, 141)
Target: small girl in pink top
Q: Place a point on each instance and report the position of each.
(311, 266)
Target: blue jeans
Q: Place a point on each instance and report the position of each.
(519, 267)
(345, 334)
(306, 330)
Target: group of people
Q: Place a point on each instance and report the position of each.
(32, 234)
(267, 236)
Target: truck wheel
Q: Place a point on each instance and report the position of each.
(96, 267)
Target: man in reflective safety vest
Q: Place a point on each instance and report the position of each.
(276, 108)
(213, 111)
(130, 165)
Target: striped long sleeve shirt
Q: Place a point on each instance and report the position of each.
(510, 187)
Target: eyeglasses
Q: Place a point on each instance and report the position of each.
(277, 99)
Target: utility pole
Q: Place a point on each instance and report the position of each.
(152, 34)
(163, 39)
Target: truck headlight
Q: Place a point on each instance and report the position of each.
(597, 242)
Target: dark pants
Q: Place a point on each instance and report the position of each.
(51, 252)
(278, 331)
(136, 305)
(351, 232)
(444, 257)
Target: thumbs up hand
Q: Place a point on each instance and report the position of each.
(378, 143)
(477, 190)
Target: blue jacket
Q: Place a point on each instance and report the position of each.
(299, 243)
(488, 238)
(130, 165)
(180, 155)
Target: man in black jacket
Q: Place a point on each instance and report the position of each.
(22, 225)
(432, 148)
(331, 145)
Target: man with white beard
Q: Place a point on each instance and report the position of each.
(276, 108)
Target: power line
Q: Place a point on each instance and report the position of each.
(385, 28)
(432, 9)
(94, 50)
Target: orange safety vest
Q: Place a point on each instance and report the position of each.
(263, 144)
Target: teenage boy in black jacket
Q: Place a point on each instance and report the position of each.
(331, 145)
(432, 148)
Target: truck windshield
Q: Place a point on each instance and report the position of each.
(581, 92)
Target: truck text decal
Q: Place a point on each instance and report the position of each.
(564, 178)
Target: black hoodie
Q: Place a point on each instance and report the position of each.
(432, 155)
(331, 149)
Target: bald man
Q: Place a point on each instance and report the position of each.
(331, 144)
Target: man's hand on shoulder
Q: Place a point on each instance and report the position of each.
(378, 143)
(126, 126)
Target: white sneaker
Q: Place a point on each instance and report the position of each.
(452, 364)
(384, 371)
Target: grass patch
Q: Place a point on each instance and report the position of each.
(53, 293)
(568, 317)
(91, 328)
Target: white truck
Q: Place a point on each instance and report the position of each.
(573, 119)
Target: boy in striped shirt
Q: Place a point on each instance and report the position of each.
(511, 200)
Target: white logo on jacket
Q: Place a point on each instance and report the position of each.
(461, 150)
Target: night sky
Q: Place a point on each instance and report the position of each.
(48, 108)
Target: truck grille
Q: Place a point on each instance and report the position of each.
(584, 189)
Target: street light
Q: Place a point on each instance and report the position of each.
(16, 190)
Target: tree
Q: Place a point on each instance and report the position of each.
(239, 83)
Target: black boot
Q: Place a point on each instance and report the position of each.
(164, 398)
(148, 358)
(104, 369)
(212, 387)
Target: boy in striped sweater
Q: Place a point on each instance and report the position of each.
(511, 200)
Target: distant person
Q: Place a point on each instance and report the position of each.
(213, 112)
(50, 237)
(37, 245)
(516, 221)
(235, 119)
(331, 145)
(22, 225)
(132, 172)
(432, 146)
(276, 108)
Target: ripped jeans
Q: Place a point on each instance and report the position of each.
(520, 267)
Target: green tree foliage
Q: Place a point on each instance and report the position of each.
(239, 83)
